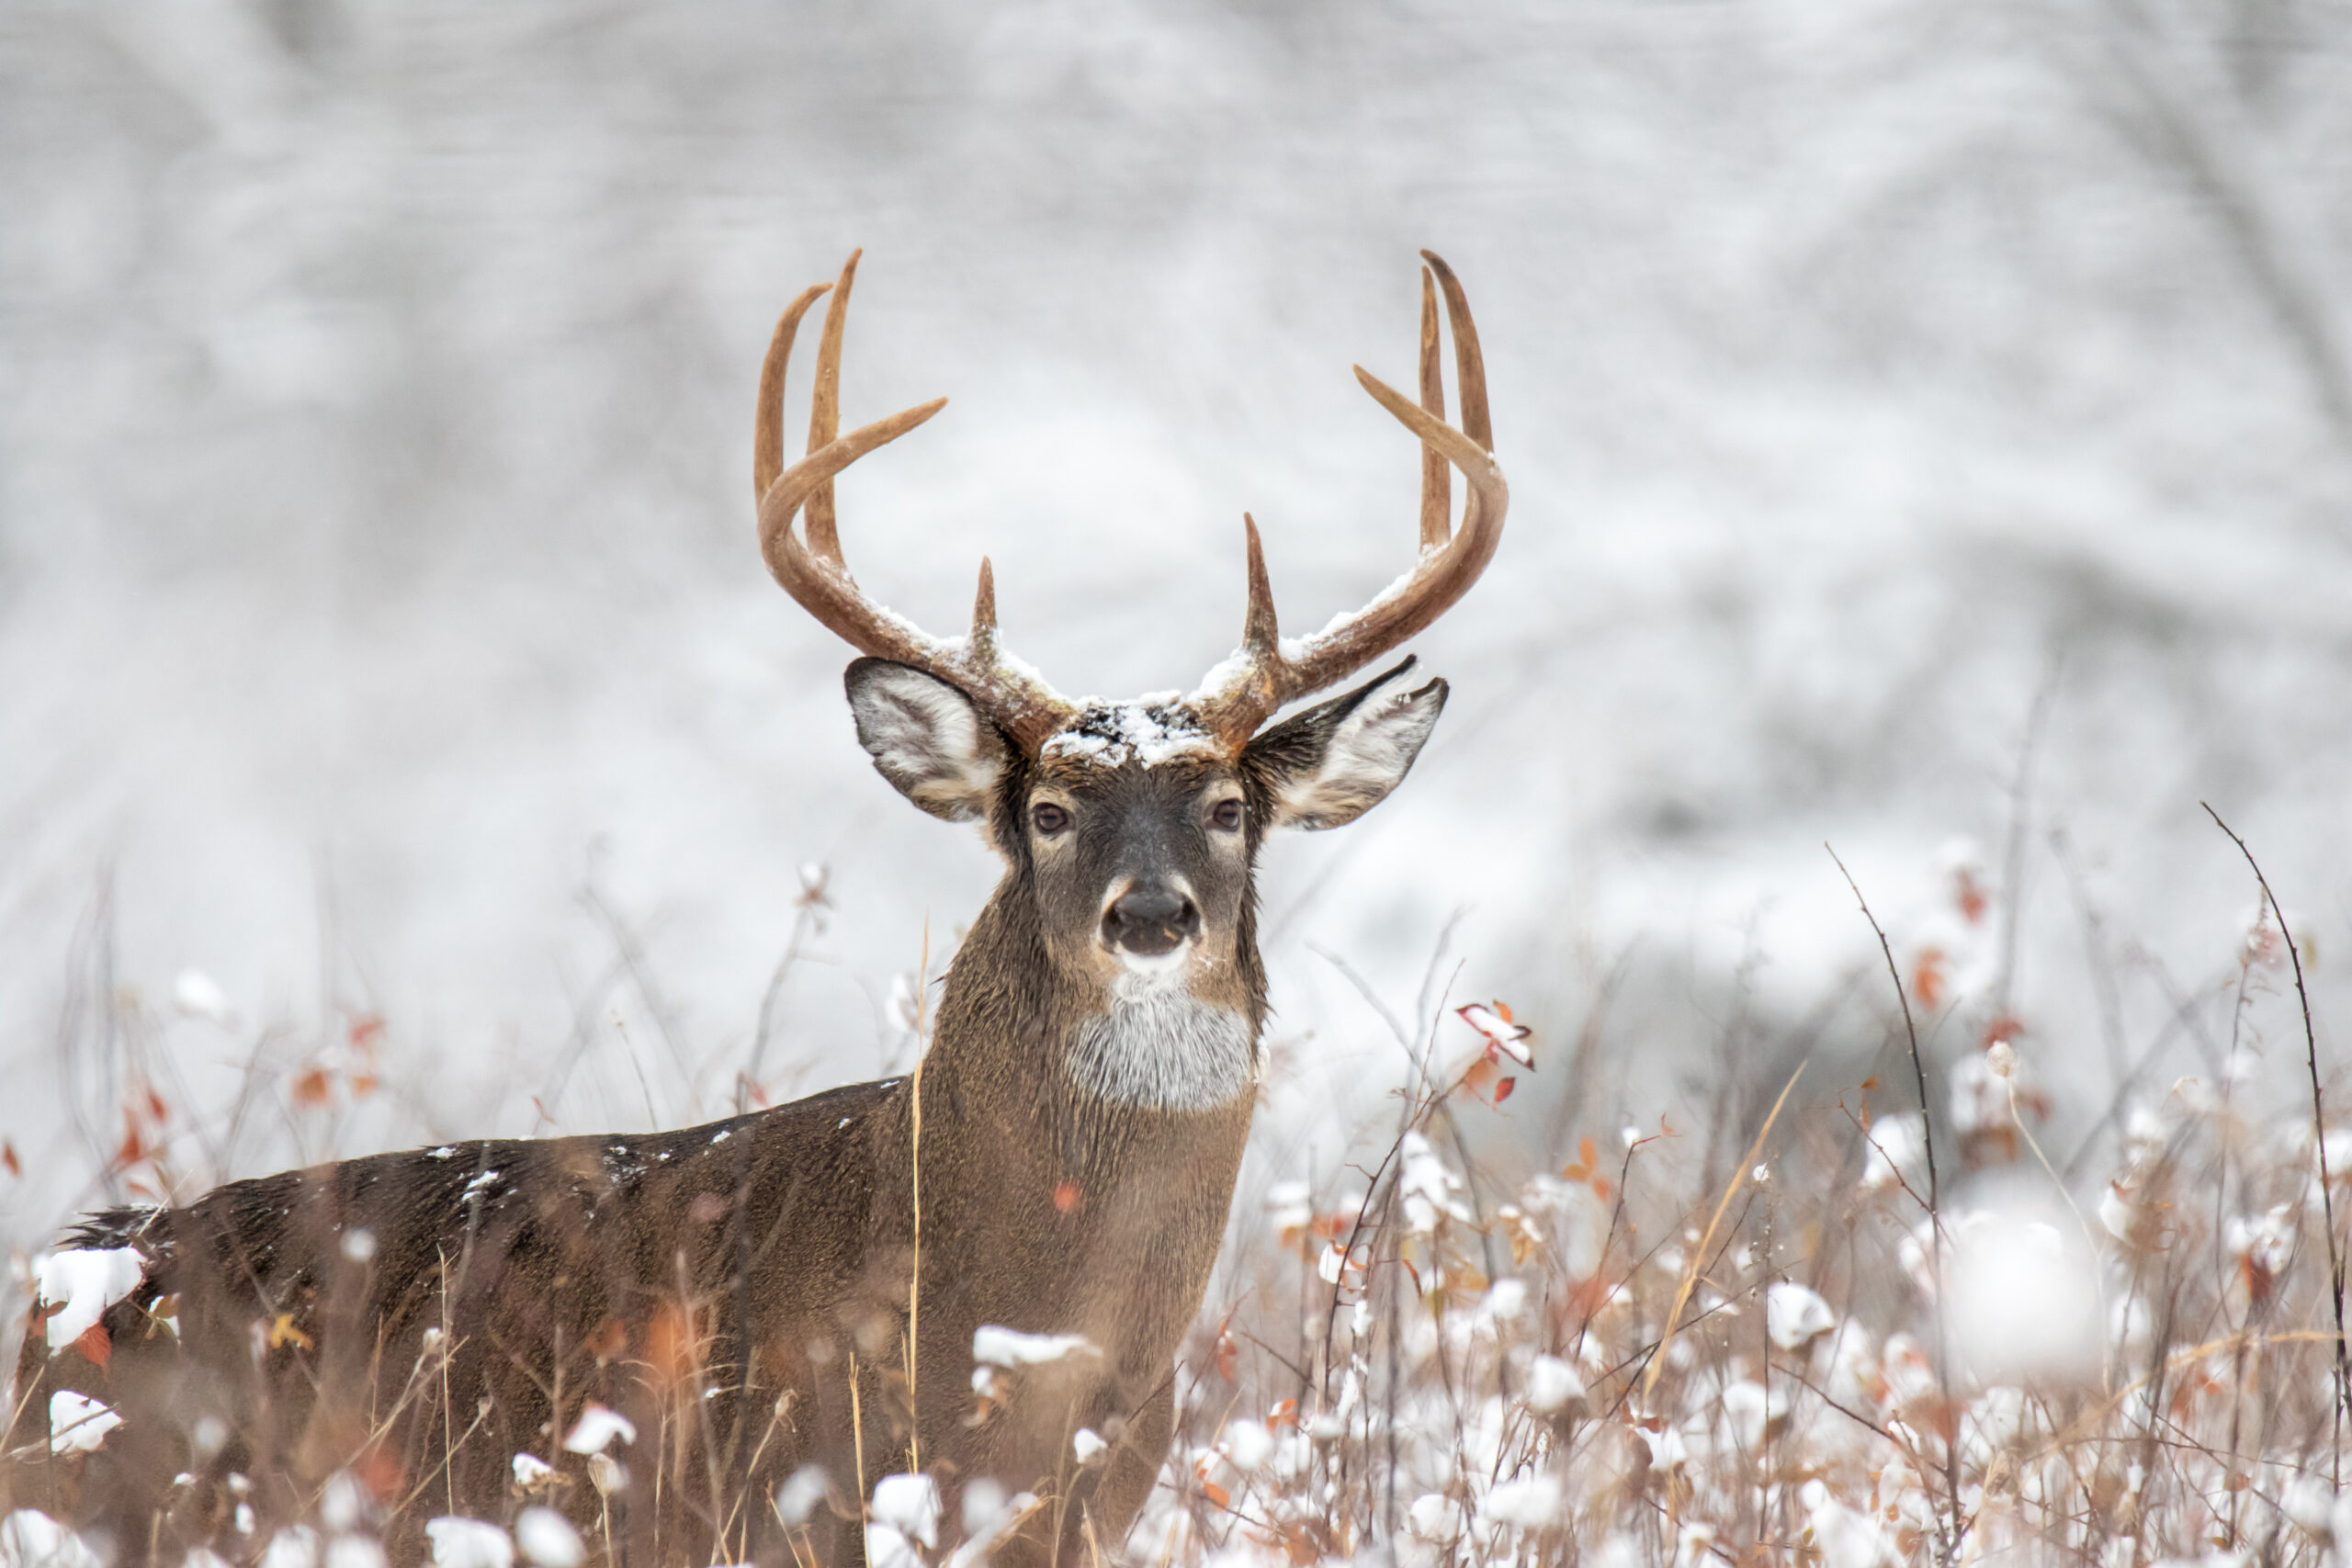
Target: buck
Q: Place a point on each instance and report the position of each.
(784, 1307)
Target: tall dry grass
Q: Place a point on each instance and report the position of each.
(1789, 1337)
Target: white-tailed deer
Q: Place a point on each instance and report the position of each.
(800, 1287)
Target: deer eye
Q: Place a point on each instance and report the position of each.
(1048, 819)
(1227, 816)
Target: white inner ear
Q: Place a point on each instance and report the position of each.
(925, 738)
(1367, 755)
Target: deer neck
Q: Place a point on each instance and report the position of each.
(1019, 1033)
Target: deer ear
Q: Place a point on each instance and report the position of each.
(926, 737)
(1327, 766)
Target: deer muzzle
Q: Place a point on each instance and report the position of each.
(1150, 922)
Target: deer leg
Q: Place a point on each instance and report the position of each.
(1132, 1468)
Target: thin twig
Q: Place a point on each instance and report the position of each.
(2319, 1139)
(1950, 1545)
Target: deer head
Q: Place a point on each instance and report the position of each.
(1130, 829)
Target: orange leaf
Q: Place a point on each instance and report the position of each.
(1927, 977)
(8, 1157)
(1586, 1296)
(1283, 1415)
(1870, 1082)
(312, 1088)
(283, 1332)
(1502, 1089)
(365, 1030)
(1229, 1357)
(155, 1106)
(670, 1345)
(96, 1344)
(1065, 1196)
(1587, 1155)
(1502, 1009)
(1216, 1494)
(1604, 1189)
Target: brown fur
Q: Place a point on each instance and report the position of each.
(713, 1284)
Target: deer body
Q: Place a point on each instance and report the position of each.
(797, 1293)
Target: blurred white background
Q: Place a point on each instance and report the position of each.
(377, 576)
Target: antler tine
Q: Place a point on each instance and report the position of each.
(982, 644)
(1437, 475)
(1266, 673)
(767, 435)
(1260, 632)
(812, 572)
(1469, 364)
(825, 412)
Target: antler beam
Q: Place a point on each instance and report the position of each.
(1268, 673)
(812, 570)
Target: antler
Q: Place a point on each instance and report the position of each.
(813, 571)
(1266, 671)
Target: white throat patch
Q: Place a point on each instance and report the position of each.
(1161, 1048)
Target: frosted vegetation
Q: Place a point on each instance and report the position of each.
(1806, 1327)
(1931, 431)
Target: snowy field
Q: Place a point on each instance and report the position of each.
(1929, 428)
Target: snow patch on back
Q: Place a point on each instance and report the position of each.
(78, 1424)
(997, 1346)
(79, 1283)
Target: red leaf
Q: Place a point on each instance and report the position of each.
(1066, 1197)
(1229, 1357)
(96, 1344)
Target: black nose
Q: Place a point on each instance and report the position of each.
(1149, 922)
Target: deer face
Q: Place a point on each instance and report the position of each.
(1133, 830)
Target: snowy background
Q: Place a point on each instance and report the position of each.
(1930, 427)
